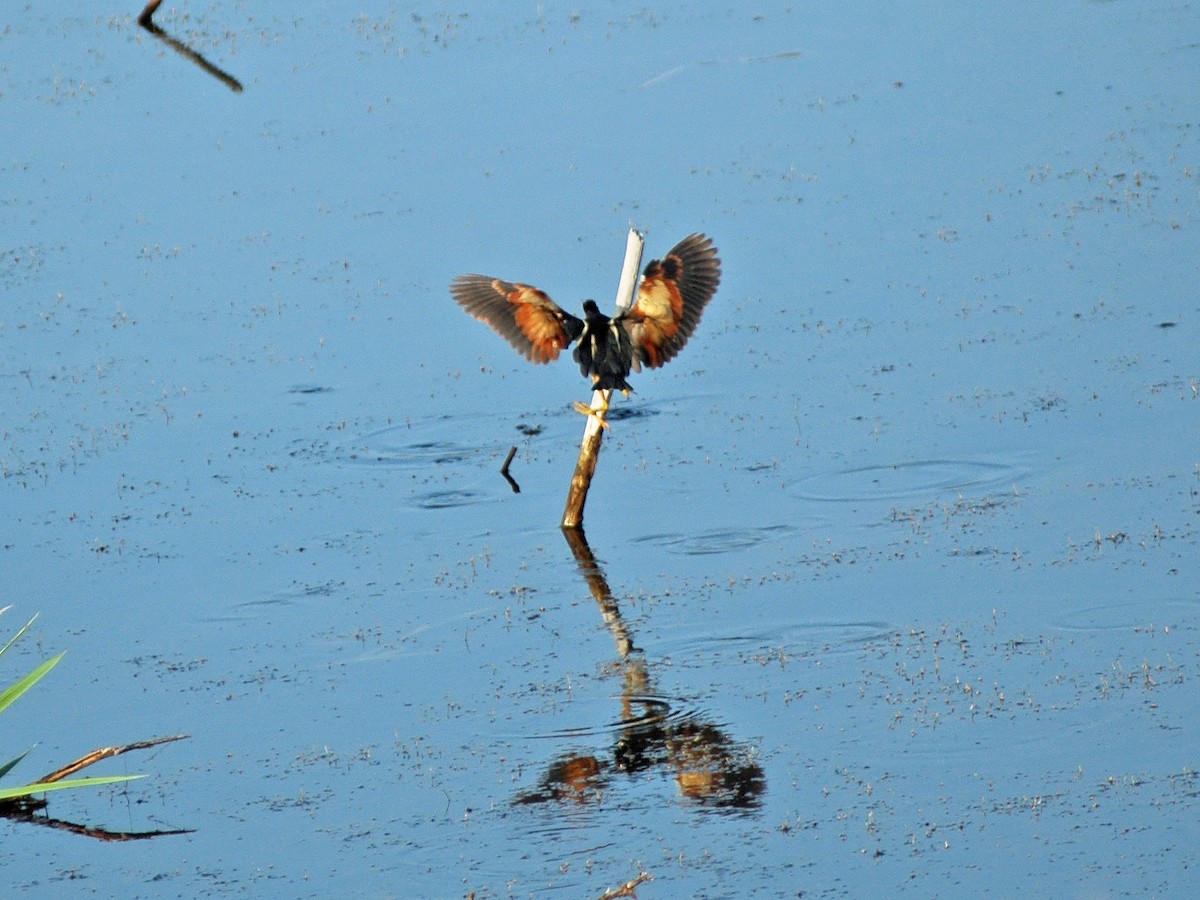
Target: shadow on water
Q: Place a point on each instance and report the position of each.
(146, 20)
(710, 768)
(36, 817)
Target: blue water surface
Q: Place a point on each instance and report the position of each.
(896, 563)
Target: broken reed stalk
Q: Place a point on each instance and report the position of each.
(106, 753)
(593, 432)
(628, 889)
(146, 20)
(504, 470)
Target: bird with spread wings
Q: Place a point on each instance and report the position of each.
(670, 300)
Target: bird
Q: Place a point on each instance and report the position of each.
(670, 300)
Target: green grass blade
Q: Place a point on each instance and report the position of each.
(15, 690)
(43, 786)
(8, 766)
(16, 637)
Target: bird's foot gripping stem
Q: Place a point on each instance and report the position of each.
(597, 411)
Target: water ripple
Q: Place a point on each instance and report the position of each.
(721, 540)
(1143, 615)
(449, 499)
(649, 711)
(787, 639)
(905, 480)
(374, 451)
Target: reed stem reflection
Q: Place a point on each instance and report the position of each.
(709, 767)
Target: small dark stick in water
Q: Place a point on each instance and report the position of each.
(504, 470)
(147, 16)
(146, 21)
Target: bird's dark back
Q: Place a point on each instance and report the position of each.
(604, 351)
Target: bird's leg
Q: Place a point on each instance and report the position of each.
(597, 411)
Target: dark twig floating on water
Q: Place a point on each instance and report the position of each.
(146, 20)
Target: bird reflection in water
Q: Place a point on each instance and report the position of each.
(710, 768)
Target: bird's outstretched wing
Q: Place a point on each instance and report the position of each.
(524, 316)
(671, 300)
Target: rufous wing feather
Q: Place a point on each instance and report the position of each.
(671, 299)
(537, 327)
